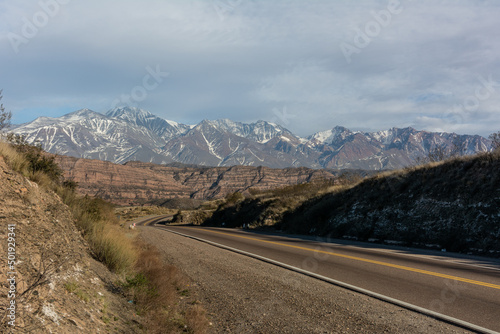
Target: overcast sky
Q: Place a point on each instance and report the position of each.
(307, 65)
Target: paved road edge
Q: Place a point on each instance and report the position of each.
(415, 308)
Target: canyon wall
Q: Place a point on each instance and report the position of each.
(138, 183)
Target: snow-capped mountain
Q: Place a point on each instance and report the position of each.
(260, 132)
(88, 134)
(394, 148)
(125, 134)
(227, 143)
(142, 118)
(329, 137)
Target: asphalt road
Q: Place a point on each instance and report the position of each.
(460, 287)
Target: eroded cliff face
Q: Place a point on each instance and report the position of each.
(120, 184)
(137, 183)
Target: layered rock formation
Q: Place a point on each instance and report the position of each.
(137, 183)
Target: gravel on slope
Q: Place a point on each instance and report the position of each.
(245, 295)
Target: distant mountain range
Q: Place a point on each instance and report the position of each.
(132, 134)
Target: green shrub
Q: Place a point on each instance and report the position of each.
(137, 281)
(234, 198)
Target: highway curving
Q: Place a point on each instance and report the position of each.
(461, 290)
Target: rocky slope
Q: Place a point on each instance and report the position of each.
(139, 183)
(130, 134)
(60, 288)
(452, 205)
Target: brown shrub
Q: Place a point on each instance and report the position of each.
(196, 319)
(155, 289)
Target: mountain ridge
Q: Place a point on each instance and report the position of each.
(132, 134)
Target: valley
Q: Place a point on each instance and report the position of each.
(447, 206)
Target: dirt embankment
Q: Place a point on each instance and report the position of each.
(59, 287)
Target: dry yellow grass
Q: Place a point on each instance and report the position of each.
(14, 159)
(112, 247)
(41, 179)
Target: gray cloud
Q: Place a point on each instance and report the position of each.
(248, 60)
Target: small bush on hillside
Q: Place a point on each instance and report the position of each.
(495, 141)
(234, 198)
(198, 217)
(14, 159)
(5, 116)
(37, 160)
(178, 217)
(247, 212)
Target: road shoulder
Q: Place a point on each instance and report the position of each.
(244, 295)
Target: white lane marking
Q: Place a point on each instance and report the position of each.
(411, 307)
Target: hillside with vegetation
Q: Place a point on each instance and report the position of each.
(261, 209)
(78, 268)
(452, 205)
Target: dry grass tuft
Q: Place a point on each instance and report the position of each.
(196, 319)
(42, 179)
(14, 159)
(155, 290)
(96, 219)
(112, 247)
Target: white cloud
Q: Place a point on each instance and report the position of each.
(243, 59)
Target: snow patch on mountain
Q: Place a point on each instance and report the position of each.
(124, 134)
(329, 136)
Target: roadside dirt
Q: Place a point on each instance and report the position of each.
(244, 295)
